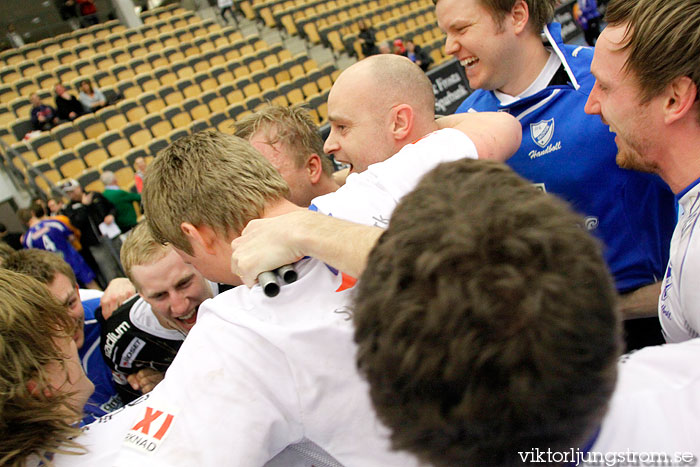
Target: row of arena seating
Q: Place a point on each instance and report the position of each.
(196, 76)
(93, 35)
(336, 24)
(93, 143)
(250, 75)
(82, 60)
(164, 67)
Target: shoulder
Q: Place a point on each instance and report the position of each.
(479, 100)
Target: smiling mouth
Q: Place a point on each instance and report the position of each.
(469, 62)
(190, 318)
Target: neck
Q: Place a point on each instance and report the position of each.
(529, 59)
(279, 207)
(677, 156)
(325, 185)
(421, 128)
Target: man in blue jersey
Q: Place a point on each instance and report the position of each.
(647, 66)
(48, 268)
(563, 150)
(49, 234)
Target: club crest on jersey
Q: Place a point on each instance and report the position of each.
(542, 132)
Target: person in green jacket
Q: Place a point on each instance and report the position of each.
(122, 200)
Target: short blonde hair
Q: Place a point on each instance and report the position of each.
(30, 422)
(292, 126)
(208, 178)
(140, 248)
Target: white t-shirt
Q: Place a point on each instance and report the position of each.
(656, 404)
(103, 440)
(679, 303)
(257, 374)
(370, 197)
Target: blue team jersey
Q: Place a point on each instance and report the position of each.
(52, 235)
(572, 154)
(105, 398)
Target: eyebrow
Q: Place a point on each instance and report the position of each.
(68, 298)
(177, 284)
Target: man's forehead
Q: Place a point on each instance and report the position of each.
(162, 273)
(61, 287)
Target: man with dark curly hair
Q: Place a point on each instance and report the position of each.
(485, 321)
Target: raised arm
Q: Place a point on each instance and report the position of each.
(266, 244)
(496, 135)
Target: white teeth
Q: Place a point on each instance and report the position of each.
(188, 315)
(469, 61)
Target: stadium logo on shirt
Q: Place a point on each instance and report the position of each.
(542, 132)
(148, 434)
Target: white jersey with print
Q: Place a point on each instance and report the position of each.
(656, 403)
(370, 197)
(102, 441)
(257, 374)
(679, 303)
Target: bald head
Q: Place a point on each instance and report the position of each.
(377, 106)
(394, 79)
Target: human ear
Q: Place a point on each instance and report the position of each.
(679, 99)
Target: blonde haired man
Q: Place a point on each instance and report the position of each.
(288, 138)
(141, 338)
(42, 385)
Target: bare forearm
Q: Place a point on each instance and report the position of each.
(266, 244)
(496, 135)
(641, 303)
(341, 244)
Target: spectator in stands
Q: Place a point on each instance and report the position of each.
(384, 47)
(224, 6)
(86, 212)
(289, 139)
(55, 205)
(123, 201)
(43, 387)
(88, 12)
(139, 172)
(588, 17)
(646, 64)
(399, 48)
(367, 38)
(69, 13)
(49, 234)
(14, 38)
(417, 55)
(463, 341)
(68, 107)
(43, 116)
(91, 98)
(512, 70)
(49, 269)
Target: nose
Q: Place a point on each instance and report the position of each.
(331, 145)
(179, 305)
(451, 45)
(592, 106)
